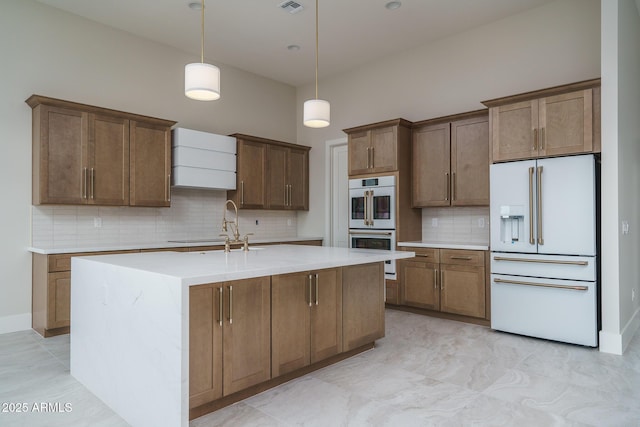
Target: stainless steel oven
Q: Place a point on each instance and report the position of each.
(376, 239)
(372, 203)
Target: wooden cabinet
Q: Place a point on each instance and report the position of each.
(51, 292)
(451, 161)
(271, 175)
(446, 280)
(377, 148)
(229, 338)
(552, 122)
(288, 173)
(306, 319)
(90, 155)
(363, 304)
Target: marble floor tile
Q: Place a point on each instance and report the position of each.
(424, 372)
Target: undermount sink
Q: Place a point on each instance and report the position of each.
(214, 240)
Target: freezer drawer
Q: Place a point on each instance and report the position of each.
(560, 310)
(549, 266)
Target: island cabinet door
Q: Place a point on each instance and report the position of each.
(363, 304)
(246, 333)
(326, 314)
(205, 344)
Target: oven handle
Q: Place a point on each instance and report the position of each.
(374, 233)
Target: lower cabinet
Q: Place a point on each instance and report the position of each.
(446, 280)
(229, 338)
(363, 304)
(306, 319)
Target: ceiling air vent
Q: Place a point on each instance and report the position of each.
(291, 6)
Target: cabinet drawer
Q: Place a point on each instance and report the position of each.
(461, 256)
(62, 262)
(425, 254)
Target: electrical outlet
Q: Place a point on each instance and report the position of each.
(97, 222)
(257, 222)
(289, 222)
(625, 227)
(480, 222)
(633, 294)
(434, 222)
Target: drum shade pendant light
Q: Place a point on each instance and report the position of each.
(202, 81)
(316, 112)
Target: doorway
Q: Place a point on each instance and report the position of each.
(338, 194)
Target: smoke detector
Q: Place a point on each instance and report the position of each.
(291, 6)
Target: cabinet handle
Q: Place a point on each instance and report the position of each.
(169, 188)
(441, 280)
(286, 193)
(465, 258)
(535, 140)
(92, 175)
(241, 193)
(373, 157)
(84, 183)
(446, 178)
(435, 278)
(423, 255)
(542, 139)
(290, 194)
(230, 305)
(317, 298)
(310, 279)
(540, 238)
(453, 187)
(220, 306)
(531, 240)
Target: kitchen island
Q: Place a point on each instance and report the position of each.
(138, 321)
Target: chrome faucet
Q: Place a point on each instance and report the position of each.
(233, 224)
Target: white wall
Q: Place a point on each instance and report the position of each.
(620, 174)
(52, 53)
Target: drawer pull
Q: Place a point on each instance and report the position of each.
(424, 255)
(464, 258)
(542, 285)
(549, 261)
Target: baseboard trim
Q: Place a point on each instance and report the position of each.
(15, 323)
(617, 343)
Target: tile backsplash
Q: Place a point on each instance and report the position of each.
(194, 214)
(456, 225)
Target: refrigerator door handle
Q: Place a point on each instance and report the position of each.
(540, 236)
(542, 285)
(531, 239)
(541, 261)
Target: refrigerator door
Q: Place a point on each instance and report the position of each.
(512, 207)
(566, 222)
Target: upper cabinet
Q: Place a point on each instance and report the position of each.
(90, 155)
(271, 175)
(375, 148)
(451, 161)
(552, 122)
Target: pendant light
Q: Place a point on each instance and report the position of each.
(316, 112)
(202, 81)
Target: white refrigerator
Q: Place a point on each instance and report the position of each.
(544, 249)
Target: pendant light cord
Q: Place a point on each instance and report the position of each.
(316, 49)
(202, 36)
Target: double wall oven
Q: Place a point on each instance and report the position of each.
(372, 216)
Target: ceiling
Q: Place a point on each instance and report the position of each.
(253, 35)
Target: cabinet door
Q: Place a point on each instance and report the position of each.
(384, 142)
(359, 146)
(60, 175)
(205, 344)
(277, 177)
(247, 334)
(290, 322)
(431, 165)
(420, 281)
(326, 314)
(363, 304)
(150, 163)
(462, 290)
(566, 123)
(470, 162)
(513, 131)
(58, 299)
(298, 179)
(109, 160)
(251, 190)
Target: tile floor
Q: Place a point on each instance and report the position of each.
(425, 372)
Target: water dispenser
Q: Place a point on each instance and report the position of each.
(511, 223)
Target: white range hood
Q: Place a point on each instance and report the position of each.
(203, 160)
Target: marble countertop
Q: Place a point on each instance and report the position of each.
(446, 245)
(194, 268)
(217, 241)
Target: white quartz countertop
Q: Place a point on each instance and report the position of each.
(194, 268)
(445, 245)
(158, 245)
